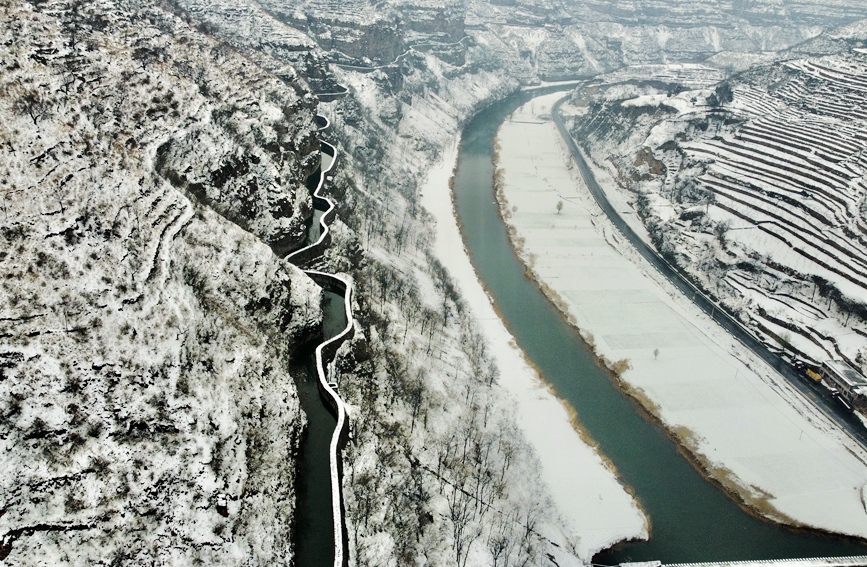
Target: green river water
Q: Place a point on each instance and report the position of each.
(692, 520)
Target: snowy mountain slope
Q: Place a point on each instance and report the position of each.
(147, 409)
(757, 189)
(547, 38)
(153, 120)
(583, 39)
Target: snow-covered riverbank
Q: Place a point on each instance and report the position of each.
(756, 434)
(595, 508)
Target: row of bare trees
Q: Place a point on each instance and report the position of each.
(437, 472)
(428, 410)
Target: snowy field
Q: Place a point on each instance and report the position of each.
(596, 511)
(755, 433)
(760, 199)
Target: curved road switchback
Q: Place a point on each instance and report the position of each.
(815, 393)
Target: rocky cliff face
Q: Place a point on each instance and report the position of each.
(566, 40)
(147, 413)
(761, 12)
(559, 40)
(249, 163)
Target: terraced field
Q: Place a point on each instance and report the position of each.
(790, 178)
(759, 194)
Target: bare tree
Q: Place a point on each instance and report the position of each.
(501, 542)
(33, 105)
(497, 545)
(721, 231)
(708, 199)
(415, 395)
(461, 512)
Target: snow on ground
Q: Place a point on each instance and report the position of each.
(760, 437)
(597, 509)
(148, 408)
(776, 226)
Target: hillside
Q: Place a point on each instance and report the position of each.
(147, 408)
(756, 188)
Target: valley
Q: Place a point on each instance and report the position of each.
(154, 167)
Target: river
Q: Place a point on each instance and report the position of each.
(691, 519)
(315, 533)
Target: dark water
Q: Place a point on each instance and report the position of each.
(692, 520)
(314, 531)
(315, 229)
(334, 315)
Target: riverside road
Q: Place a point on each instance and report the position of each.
(814, 392)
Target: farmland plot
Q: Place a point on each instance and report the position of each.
(756, 188)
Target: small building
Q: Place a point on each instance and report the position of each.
(851, 384)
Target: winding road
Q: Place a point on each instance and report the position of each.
(815, 393)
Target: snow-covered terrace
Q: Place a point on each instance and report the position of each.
(790, 173)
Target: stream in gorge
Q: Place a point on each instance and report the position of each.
(319, 531)
(692, 520)
(314, 536)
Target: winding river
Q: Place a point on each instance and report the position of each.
(314, 536)
(320, 531)
(692, 520)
